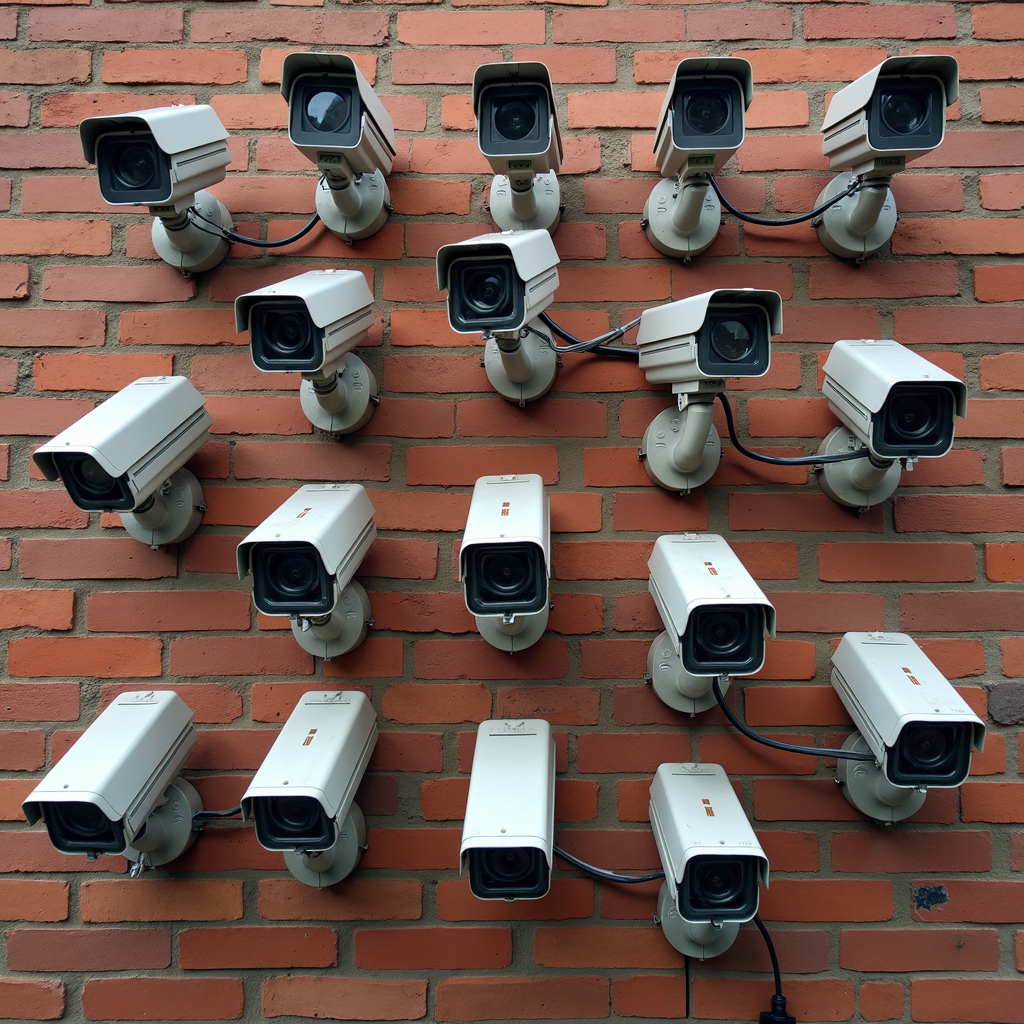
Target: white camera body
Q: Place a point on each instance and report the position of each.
(303, 558)
(191, 152)
(102, 794)
(677, 152)
(302, 797)
(856, 136)
(505, 559)
(712, 859)
(509, 830)
(128, 454)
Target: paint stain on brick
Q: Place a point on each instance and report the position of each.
(928, 896)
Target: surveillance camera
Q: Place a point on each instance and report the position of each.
(918, 727)
(716, 619)
(127, 456)
(694, 344)
(894, 113)
(164, 158)
(117, 791)
(498, 285)
(310, 324)
(509, 830)
(711, 856)
(336, 120)
(894, 402)
(517, 130)
(505, 560)
(700, 127)
(303, 558)
(302, 797)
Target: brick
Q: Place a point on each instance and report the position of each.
(234, 656)
(88, 949)
(410, 703)
(660, 512)
(613, 110)
(1002, 191)
(186, 67)
(746, 24)
(922, 21)
(43, 149)
(107, 26)
(960, 611)
(238, 948)
(962, 235)
(800, 512)
(361, 999)
(551, 418)
(558, 705)
(990, 513)
(997, 21)
(1003, 562)
(105, 657)
(360, 899)
(272, 61)
(616, 26)
(39, 702)
(827, 900)
(463, 465)
(14, 109)
(983, 63)
(130, 284)
(54, 238)
(902, 280)
(89, 372)
(567, 898)
(421, 67)
(23, 750)
(41, 609)
(999, 284)
(32, 900)
(1004, 105)
(24, 999)
(158, 611)
(93, 558)
(629, 752)
(66, 110)
(886, 853)
(882, 1000)
(111, 901)
(821, 64)
(14, 280)
(476, 659)
(570, 67)
(604, 947)
(167, 326)
(500, 998)
(732, 999)
(463, 28)
(346, 28)
(995, 1000)
(992, 801)
(37, 509)
(178, 998)
(44, 66)
(850, 562)
(433, 949)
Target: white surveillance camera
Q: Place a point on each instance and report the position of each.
(894, 113)
(716, 619)
(509, 830)
(164, 158)
(310, 324)
(695, 344)
(303, 558)
(700, 127)
(711, 856)
(302, 798)
(895, 403)
(498, 285)
(127, 456)
(505, 560)
(517, 131)
(117, 790)
(918, 727)
(337, 121)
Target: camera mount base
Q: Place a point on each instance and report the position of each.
(321, 868)
(865, 787)
(672, 683)
(662, 215)
(340, 632)
(358, 399)
(657, 447)
(358, 214)
(856, 483)
(186, 246)
(687, 937)
(532, 630)
(873, 208)
(538, 207)
(168, 832)
(177, 512)
(536, 355)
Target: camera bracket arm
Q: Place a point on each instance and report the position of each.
(856, 225)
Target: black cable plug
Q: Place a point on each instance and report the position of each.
(777, 1014)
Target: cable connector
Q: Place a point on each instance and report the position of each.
(777, 1014)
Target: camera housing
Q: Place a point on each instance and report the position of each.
(716, 619)
(164, 158)
(919, 728)
(302, 798)
(712, 859)
(303, 558)
(894, 113)
(505, 560)
(127, 456)
(509, 830)
(498, 285)
(700, 127)
(117, 790)
(517, 131)
(337, 121)
(310, 324)
(695, 344)
(892, 401)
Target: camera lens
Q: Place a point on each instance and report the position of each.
(287, 333)
(487, 291)
(926, 747)
(90, 486)
(508, 573)
(913, 416)
(731, 340)
(931, 754)
(284, 337)
(505, 578)
(78, 826)
(509, 866)
(720, 634)
(724, 638)
(706, 113)
(508, 872)
(296, 573)
(290, 579)
(92, 478)
(916, 419)
(515, 119)
(296, 814)
(292, 822)
(719, 880)
(904, 112)
(327, 111)
(134, 166)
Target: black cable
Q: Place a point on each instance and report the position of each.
(850, 755)
(777, 460)
(594, 344)
(771, 952)
(777, 1014)
(218, 814)
(751, 219)
(233, 236)
(608, 876)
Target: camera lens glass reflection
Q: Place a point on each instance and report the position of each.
(487, 291)
(516, 872)
(721, 633)
(135, 166)
(505, 578)
(731, 340)
(90, 486)
(284, 337)
(719, 880)
(327, 111)
(913, 416)
(930, 753)
(292, 822)
(515, 119)
(78, 826)
(724, 638)
(917, 419)
(904, 112)
(707, 113)
(287, 333)
(290, 579)
(719, 887)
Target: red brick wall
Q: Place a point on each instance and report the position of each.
(88, 611)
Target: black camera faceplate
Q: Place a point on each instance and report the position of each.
(291, 579)
(485, 293)
(283, 337)
(707, 113)
(930, 754)
(508, 872)
(292, 823)
(505, 578)
(916, 420)
(89, 485)
(325, 110)
(724, 639)
(132, 168)
(906, 112)
(514, 120)
(719, 888)
(734, 340)
(82, 827)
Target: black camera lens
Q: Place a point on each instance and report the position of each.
(292, 823)
(508, 872)
(290, 579)
(79, 827)
(488, 291)
(283, 337)
(904, 112)
(327, 111)
(132, 168)
(917, 419)
(731, 340)
(706, 112)
(931, 754)
(515, 119)
(734, 340)
(90, 486)
(135, 166)
(721, 633)
(716, 887)
(725, 638)
(505, 578)
(485, 294)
